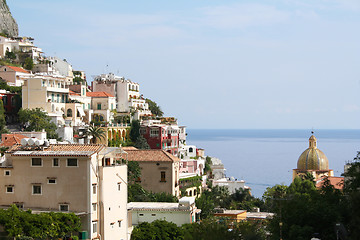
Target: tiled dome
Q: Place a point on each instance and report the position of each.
(313, 158)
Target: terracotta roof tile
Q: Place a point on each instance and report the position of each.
(18, 69)
(11, 139)
(58, 149)
(337, 182)
(98, 94)
(151, 155)
(129, 148)
(73, 93)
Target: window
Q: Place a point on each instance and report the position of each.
(58, 98)
(94, 188)
(9, 189)
(56, 162)
(36, 162)
(88, 105)
(72, 162)
(94, 206)
(99, 106)
(119, 186)
(13, 101)
(51, 180)
(7, 173)
(62, 98)
(4, 99)
(94, 225)
(119, 223)
(64, 207)
(153, 214)
(19, 205)
(36, 189)
(52, 97)
(162, 174)
(154, 132)
(112, 106)
(141, 214)
(190, 150)
(69, 113)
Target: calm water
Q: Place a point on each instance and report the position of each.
(264, 158)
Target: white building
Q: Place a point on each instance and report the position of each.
(179, 213)
(231, 183)
(126, 92)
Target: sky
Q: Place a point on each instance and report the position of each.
(276, 64)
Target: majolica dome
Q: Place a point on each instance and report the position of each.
(312, 158)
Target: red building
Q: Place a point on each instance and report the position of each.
(161, 136)
(12, 104)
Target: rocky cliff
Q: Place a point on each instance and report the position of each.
(8, 24)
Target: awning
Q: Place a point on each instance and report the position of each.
(81, 111)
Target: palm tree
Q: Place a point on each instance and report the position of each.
(97, 133)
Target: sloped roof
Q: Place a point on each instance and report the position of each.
(18, 69)
(57, 150)
(73, 93)
(98, 94)
(337, 182)
(151, 155)
(11, 139)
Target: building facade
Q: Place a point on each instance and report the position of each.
(159, 170)
(88, 180)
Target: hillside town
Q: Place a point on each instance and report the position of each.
(96, 159)
(82, 167)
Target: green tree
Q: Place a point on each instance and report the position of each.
(25, 225)
(157, 230)
(141, 143)
(154, 108)
(134, 130)
(351, 190)
(37, 120)
(10, 55)
(3, 128)
(304, 211)
(97, 133)
(134, 171)
(29, 63)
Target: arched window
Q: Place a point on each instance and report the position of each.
(69, 113)
(13, 101)
(190, 150)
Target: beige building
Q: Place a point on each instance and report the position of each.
(313, 161)
(159, 170)
(14, 76)
(102, 104)
(88, 180)
(179, 213)
(48, 93)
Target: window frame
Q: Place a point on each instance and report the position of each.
(58, 162)
(67, 162)
(49, 179)
(163, 176)
(32, 163)
(94, 227)
(33, 188)
(62, 205)
(9, 187)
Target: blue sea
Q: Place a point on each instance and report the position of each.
(264, 158)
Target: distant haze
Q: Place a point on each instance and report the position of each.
(215, 64)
